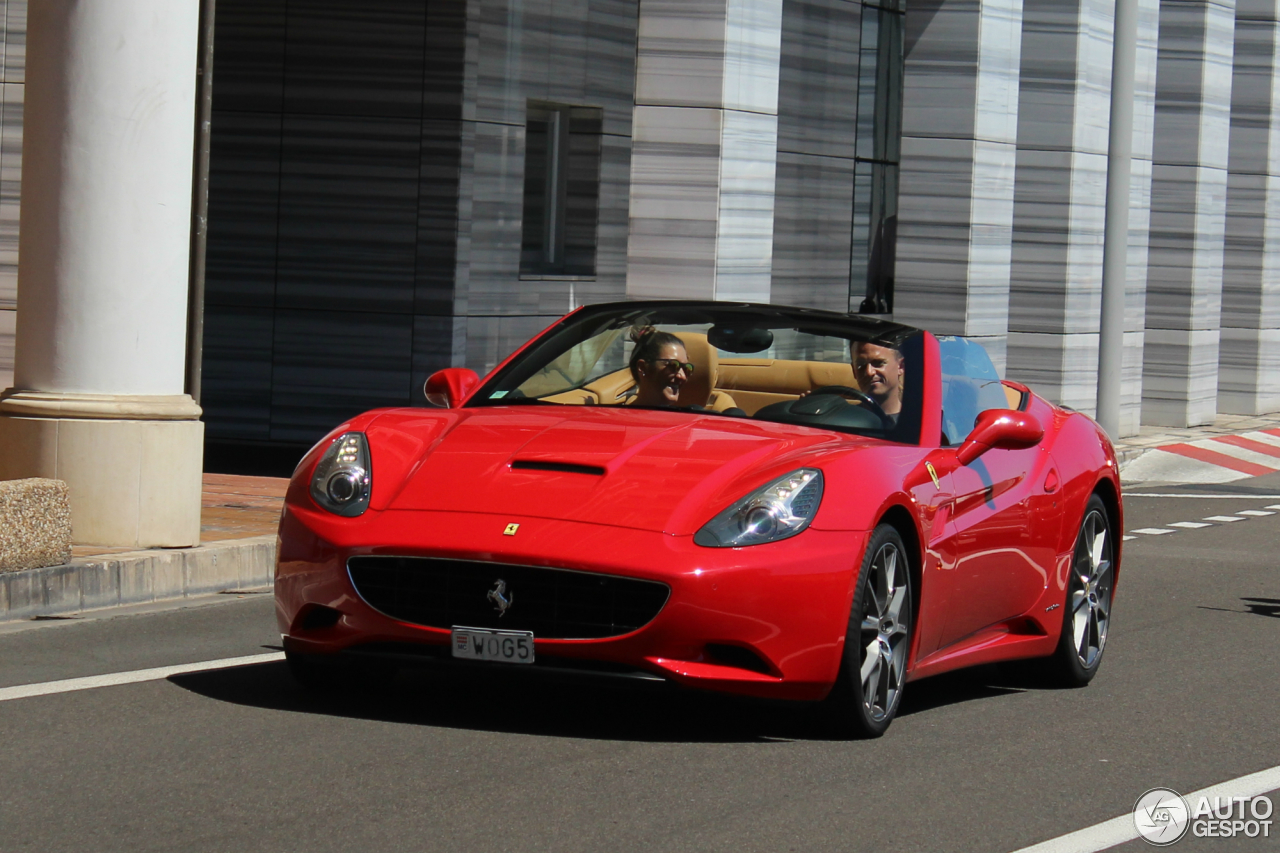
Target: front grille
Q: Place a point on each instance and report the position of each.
(552, 603)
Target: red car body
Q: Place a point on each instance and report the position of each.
(991, 541)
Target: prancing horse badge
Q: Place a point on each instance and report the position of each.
(511, 530)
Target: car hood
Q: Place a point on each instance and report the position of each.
(644, 469)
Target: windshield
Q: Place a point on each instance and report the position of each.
(784, 365)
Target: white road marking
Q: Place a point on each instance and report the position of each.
(1274, 506)
(159, 673)
(1244, 497)
(1223, 518)
(1118, 830)
(1151, 531)
(1190, 525)
(1127, 538)
(1254, 512)
(1264, 437)
(1244, 454)
(1162, 466)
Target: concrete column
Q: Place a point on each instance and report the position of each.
(705, 140)
(959, 134)
(103, 265)
(1135, 310)
(1249, 355)
(1188, 212)
(1055, 290)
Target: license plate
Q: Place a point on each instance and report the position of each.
(484, 644)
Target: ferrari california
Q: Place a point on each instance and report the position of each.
(757, 500)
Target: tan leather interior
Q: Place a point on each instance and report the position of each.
(610, 388)
(757, 382)
(719, 384)
(698, 390)
(574, 397)
(1014, 396)
(701, 387)
(747, 383)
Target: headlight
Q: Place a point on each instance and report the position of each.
(779, 510)
(343, 477)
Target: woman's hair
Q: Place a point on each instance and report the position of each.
(648, 344)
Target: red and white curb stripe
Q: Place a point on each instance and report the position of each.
(1220, 459)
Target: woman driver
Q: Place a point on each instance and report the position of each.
(660, 367)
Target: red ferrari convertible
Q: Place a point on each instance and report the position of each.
(767, 501)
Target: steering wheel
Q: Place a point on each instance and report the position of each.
(859, 395)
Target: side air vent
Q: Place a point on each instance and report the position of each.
(318, 617)
(567, 467)
(738, 656)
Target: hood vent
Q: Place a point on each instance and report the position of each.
(567, 467)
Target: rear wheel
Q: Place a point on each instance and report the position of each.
(874, 666)
(1090, 588)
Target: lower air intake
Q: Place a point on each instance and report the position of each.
(552, 603)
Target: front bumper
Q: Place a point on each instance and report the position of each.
(766, 621)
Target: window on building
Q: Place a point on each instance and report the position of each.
(879, 144)
(561, 190)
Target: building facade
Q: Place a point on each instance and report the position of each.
(398, 186)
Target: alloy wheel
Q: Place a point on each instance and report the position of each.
(1092, 583)
(885, 631)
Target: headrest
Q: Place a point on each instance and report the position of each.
(706, 365)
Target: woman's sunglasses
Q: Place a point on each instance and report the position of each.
(673, 365)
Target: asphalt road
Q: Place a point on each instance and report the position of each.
(242, 760)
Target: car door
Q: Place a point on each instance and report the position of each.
(1004, 535)
(1001, 516)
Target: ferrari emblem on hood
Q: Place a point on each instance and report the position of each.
(511, 530)
(500, 598)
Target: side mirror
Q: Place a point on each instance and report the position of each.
(1002, 428)
(449, 387)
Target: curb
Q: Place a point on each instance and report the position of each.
(138, 577)
(1129, 455)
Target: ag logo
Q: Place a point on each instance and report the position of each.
(1161, 816)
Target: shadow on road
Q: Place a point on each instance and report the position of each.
(577, 710)
(1255, 606)
(1263, 606)
(966, 685)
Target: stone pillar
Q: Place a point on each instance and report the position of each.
(705, 140)
(1059, 211)
(959, 135)
(1188, 212)
(1249, 354)
(103, 266)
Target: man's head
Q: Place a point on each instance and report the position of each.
(879, 370)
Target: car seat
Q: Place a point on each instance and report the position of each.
(700, 389)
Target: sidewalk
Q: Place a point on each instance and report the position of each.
(232, 508)
(237, 552)
(1231, 448)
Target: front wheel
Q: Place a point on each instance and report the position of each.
(873, 668)
(1090, 588)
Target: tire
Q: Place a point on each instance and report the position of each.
(873, 667)
(322, 674)
(1086, 619)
